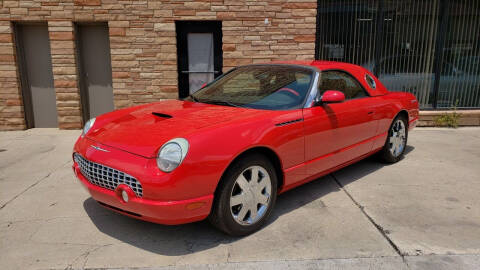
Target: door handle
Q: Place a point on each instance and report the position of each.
(370, 112)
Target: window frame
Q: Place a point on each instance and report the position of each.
(367, 94)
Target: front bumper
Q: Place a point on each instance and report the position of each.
(167, 198)
(163, 212)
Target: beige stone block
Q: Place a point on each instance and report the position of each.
(67, 96)
(7, 67)
(125, 64)
(6, 49)
(18, 11)
(168, 48)
(231, 23)
(62, 45)
(164, 27)
(10, 4)
(118, 23)
(64, 70)
(218, 8)
(125, 51)
(8, 74)
(162, 13)
(197, 5)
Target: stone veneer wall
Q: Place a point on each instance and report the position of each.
(143, 44)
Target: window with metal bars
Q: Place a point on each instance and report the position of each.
(425, 47)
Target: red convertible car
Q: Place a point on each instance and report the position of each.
(229, 149)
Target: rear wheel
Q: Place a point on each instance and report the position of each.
(396, 143)
(245, 196)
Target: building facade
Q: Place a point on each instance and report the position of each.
(62, 62)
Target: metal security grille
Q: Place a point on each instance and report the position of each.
(429, 48)
(106, 177)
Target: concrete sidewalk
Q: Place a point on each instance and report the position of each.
(421, 213)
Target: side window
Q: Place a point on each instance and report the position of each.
(340, 81)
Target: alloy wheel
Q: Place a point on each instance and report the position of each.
(250, 196)
(397, 138)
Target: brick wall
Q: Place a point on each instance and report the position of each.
(143, 44)
(11, 108)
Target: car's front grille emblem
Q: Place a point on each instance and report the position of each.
(99, 148)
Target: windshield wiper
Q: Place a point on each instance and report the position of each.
(220, 102)
(193, 98)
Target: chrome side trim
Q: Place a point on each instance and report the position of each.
(313, 90)
(289, 122)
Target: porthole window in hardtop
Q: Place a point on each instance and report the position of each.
(370, 81)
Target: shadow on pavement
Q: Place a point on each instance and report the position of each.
(195, 237)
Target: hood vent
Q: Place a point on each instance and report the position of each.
(162, 115)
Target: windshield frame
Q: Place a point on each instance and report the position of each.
(309, 96)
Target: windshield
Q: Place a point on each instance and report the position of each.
(268, 87)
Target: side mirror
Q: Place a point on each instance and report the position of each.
(332, 96)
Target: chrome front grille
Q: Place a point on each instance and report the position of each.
(106, 177)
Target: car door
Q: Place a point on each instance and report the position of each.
(336, 133)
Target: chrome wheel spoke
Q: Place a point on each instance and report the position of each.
(237, 199)
(264, 182)
(253, 213)
(243, 212)
(254, 179)
(242, 182)
(263, 199)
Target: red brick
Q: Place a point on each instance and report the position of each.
(61, 36)
(63, 84)
(312, 5)
(184, 12)
(88, 2)
(225, 15)
(5, 38)
(120, 75)
(229, 47)
(6, 58)
(14, 102)
(117, 31)
(304, 38)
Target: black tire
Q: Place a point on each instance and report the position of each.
(386, 154)
(222, 216)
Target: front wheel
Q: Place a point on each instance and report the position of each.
(245, 197)
(396, 143)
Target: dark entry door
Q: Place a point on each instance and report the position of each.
(199, 49)
(95, 69)
(35, 62)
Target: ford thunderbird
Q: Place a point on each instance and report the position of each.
(226, 151)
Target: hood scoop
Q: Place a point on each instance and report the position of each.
(166, 116)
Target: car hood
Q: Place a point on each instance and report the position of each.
(144, 129)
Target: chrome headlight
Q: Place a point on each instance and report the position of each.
(88, 125)
(172, 154)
